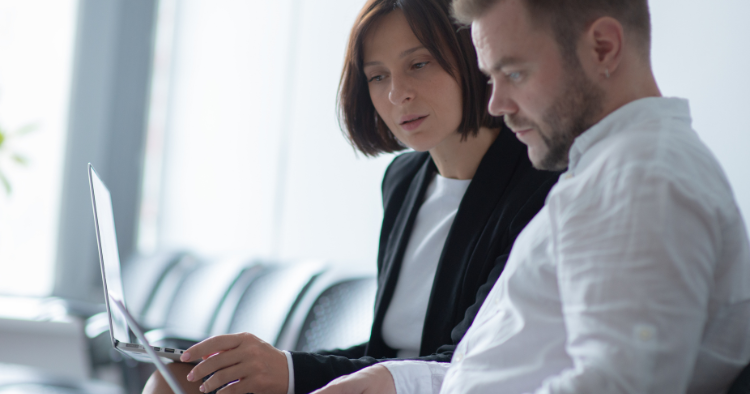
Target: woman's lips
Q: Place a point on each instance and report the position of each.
(413, 124)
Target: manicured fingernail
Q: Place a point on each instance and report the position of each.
(185, 357)
(190, 376)
(202, 389)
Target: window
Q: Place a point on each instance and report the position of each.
(244, 152)
(36, 42)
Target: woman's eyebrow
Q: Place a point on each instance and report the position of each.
(410, 51)
(401, 56)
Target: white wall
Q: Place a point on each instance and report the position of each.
(701, 51)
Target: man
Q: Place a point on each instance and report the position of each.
(635, 276)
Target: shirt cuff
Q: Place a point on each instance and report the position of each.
(290, 366)
(417, 377)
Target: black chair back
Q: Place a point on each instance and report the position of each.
(741, 384)
(341, 317)
(265, 306)
(335, 312)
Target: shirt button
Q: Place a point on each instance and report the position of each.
(458, 357)
(645, 334)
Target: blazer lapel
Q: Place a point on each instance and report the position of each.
(397, 242)
(486, 189)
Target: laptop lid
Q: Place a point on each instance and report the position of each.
(109, 256)
(165, 372)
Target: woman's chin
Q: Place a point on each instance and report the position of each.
(419, 146)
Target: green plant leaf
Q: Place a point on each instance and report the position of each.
(6, 183)
(20, 159)
(27, 129)
(2, 137)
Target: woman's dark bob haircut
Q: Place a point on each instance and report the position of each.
(449, 44)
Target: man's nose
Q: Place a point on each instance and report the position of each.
(500, 102)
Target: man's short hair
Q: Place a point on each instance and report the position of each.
(568, 19)
(452, 48)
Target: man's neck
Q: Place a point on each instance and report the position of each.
(629, 87)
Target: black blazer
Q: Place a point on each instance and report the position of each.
(505, 193)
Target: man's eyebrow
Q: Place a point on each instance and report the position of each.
(502, 63)
(400, 56)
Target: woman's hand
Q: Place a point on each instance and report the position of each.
(371, 380)
(252, 364)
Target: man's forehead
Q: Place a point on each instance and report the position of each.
(503, 34)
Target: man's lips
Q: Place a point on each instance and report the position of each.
(521, 131)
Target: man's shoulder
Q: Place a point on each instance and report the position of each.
(667, 157)
(670, 152)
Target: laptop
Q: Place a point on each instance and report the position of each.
(109, 259)
(165, 372)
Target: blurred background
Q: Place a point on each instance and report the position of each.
(214, 123)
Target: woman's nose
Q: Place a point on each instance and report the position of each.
(401, 91)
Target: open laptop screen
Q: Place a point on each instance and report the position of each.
(108, 255)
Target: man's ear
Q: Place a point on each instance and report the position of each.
(603, 44)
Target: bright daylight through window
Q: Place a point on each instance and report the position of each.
(36, 43)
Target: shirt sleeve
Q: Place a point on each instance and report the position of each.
(290, 366)
(417, 377)
(635, 262)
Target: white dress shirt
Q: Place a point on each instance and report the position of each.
(633, 278)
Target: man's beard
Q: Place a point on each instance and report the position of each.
(572, 113)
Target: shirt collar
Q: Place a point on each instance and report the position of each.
(627, 117)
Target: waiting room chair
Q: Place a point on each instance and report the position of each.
(335, 312)
(142, 276)
(265, 305)
(741, 384)
(196, 303)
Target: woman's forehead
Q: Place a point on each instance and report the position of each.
(390, 37)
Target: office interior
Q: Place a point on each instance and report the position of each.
(214, 124)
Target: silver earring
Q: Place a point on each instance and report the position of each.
(606, 73)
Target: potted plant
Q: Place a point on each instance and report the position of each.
(6, 152)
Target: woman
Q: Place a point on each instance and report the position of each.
(452, 208)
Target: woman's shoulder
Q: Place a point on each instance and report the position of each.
(400, 174)
(403, 169)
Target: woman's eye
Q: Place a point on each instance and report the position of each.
(420, 65)
(376, 78)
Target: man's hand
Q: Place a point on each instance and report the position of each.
(252, 364)
(371, 380)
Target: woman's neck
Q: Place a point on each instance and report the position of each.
(457, 159)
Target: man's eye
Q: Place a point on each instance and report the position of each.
(515, 76)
